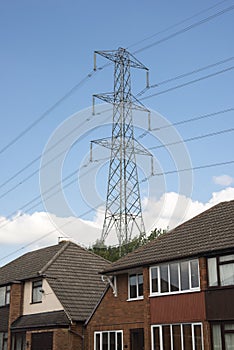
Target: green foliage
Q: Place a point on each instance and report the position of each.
(113, 253)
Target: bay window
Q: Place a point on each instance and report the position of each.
(176, 277)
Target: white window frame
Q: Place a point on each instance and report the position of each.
(180, 291)
(160, 326)
(138, 297)
(111, 331)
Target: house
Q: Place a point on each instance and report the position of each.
(47, 295)
(175, 293)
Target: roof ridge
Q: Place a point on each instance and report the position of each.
(50, 262)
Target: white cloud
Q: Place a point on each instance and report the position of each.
(223, 180)
(170, 210)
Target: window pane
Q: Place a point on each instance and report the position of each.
(198, 337)
(156, 339)
(194, 273)
(104, 341)
(212, 272)
(36, 292)
(226, 274)
(154, 279)
(140, 285)
(229, 341)
(133, 287)
(2, 296)
(166, 338)
(112, 340)
(97, 341)
(216, 335)
(187, 337)
(164, 278)
(229, 327)
(184, 273)
(8, 293)
(176, 334)
(174, 277)
(119, 341)
(226, 258)
(1, 340)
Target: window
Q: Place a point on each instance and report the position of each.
(5, 295)
(3, 341)
(187, 336)
(110, 340)
(36, 291)
(221, 271)
(135, 286)
(174, 277)
(18, 341)
(223, 334)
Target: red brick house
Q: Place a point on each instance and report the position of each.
(47, 295)
(175, 293)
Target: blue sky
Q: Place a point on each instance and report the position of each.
(47, 48)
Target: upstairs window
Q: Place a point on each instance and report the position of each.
(135, 282)
(36, 291)
(5, 295)
(178, 277)
(221, 271)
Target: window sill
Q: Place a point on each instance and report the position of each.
(195, 290)
(135, 299)
(35, 302)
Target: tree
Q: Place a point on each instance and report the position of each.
(113, 253)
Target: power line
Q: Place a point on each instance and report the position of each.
(181, 31)
(39, 157)
(88, 119)
(185, 75)
(194, 138)
(176, 24)
(49, 110)
(47, 234)
(185, 121)
(189, 83)
(75, 87)
(199, 167)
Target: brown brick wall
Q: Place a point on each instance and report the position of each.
(16, 301)
(117, 313)
(203, 273)
(16, 306)
(63, 338)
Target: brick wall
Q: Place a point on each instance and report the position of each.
(117, 313)
(16, 306)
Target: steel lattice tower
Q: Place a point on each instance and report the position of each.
(123, 204)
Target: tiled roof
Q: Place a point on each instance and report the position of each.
(75, 280)
(27, 265)
(42, 320)
(210, 231)
(71, 271)
(4, 315)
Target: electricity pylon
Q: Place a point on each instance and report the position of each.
(123, 204)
